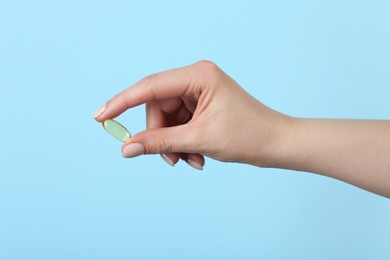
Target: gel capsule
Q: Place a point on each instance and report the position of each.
(116, 130)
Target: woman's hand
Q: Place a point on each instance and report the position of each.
(198, 111)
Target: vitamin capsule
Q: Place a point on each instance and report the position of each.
(116, 130)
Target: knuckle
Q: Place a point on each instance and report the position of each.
(161, 145)
(207, 65)
(209, 70)
(119, 100)
(164, 146)
(110, 102)
(147, 83)
(148, 80)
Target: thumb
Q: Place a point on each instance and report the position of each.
(176, 139)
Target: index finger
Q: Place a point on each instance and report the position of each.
(163, 85)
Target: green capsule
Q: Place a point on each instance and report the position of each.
(116, 130)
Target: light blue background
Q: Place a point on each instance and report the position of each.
(65, 190)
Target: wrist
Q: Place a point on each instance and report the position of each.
(280, 144)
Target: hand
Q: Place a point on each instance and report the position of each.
(198, 111)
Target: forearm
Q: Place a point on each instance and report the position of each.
(354, 151)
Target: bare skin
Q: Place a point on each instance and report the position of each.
(198, 111)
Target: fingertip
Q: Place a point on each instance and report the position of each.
(99, 112)
(133, 150)
(194, 164)
(194, 160)
(167, 159)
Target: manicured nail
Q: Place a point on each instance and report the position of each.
(194, 164)
(133, 150)
(99, 111)
(167, 159)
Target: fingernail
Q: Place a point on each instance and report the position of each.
(99, 111)
(133, 150)
(194, 164)
(167, 159)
